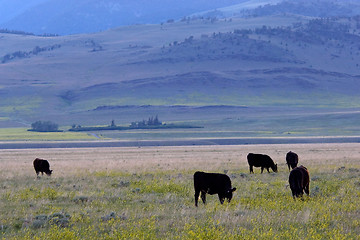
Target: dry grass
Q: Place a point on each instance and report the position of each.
(151, 193)
(208, 158)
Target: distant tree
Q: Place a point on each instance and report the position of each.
(156, 121)
(150, 121)
(44, 126)
(113, 124)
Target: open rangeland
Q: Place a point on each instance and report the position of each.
(148, 193)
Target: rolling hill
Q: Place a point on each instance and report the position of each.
(64, 17)
(319, 8)
(290, 63)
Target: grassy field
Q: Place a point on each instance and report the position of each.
(217, 122)
(147, 193)
(15, 134)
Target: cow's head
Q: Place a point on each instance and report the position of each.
(274, 167)
(229, 194)
(48, 172)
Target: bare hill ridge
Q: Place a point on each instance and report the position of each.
(291, 61)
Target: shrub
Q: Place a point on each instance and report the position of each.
(44, 126)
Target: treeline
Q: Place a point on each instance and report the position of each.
(26, 33)
(319, 8)
(151, 123)
(266, 43)
(22, 54)
(315, 30)
(44, 126)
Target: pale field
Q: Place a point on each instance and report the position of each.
(151, 191)
(67, 162)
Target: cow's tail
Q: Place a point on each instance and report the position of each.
(295, 183)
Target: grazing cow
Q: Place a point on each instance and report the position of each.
(42, 166)
(212, 183)
(299, 180)
(292, 160)
(261, 160)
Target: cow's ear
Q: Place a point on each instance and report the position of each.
(233, 190)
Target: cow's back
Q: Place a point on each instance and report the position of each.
(211, 182)
(299, 178)
(42, 165)
(292, 159)
(259, 160)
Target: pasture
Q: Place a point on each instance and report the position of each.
(147, 193)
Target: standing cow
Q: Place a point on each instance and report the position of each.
(261, 160)
(299, 180)
(212, 183)
(43, 166)
(292, 160)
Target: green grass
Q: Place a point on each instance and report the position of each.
(26, 104)
(204, 97)
(17, 134)
(158, 203)
(153, 208)
(248, 124)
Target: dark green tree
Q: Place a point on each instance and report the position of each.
(44, 126)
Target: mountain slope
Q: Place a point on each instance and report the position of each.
(292, 62)
(83, 16)
(320, 8)
(13, 8)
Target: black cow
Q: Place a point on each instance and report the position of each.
(292, 160)
(212, 183)
(261, 160)
(299, 180)
(42, 166)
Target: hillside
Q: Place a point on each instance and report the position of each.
(64, 17)
(293, 62)
(318, 8)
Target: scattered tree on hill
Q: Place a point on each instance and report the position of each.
(26, 33)
(22, 54)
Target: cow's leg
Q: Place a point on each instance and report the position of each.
(251, 169)
(197, 193)
(301, 193)
(203, 196)
(307, 189)
(262, 169)
(289, 167)
(268, 170)
(221, 198)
